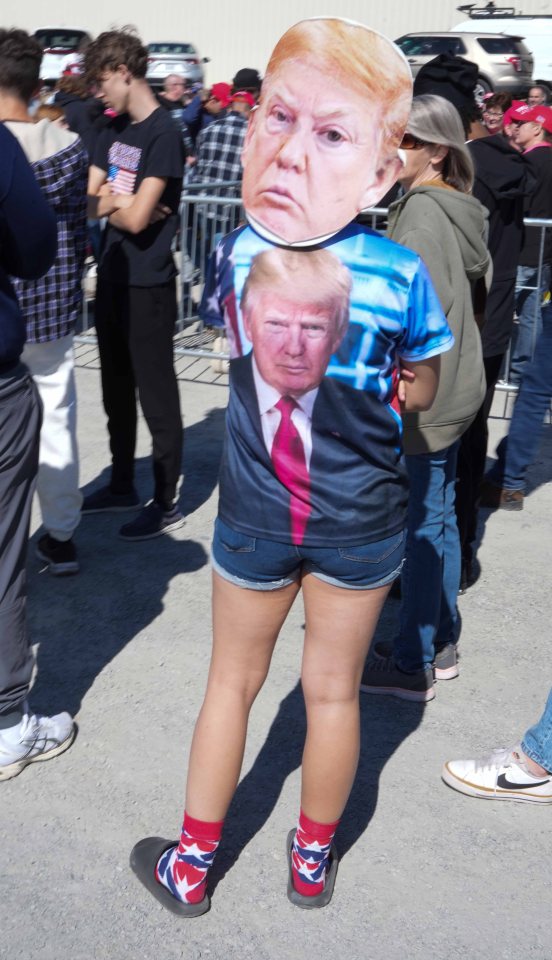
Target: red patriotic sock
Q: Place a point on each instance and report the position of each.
(310, 855)
(183, 869)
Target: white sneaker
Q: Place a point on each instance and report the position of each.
(501, 776)
(34, 738)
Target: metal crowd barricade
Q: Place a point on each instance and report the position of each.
(208, 212)
(207, 215)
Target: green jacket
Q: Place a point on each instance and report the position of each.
(447, 229)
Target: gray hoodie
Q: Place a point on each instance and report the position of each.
(447, 229)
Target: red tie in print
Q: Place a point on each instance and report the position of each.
(288, 457)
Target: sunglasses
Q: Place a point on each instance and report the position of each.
(410, 142)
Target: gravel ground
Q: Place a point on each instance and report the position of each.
(125, 646)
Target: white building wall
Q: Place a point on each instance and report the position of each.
(243, 32)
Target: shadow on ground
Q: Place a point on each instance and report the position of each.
(385, 724)
(81, 623)
(538, 474)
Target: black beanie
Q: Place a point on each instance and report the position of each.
(450, 77)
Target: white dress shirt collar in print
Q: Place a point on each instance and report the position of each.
(267, 398)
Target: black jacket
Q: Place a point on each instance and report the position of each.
(504, 182)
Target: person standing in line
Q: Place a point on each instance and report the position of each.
(533, 135)
(503, 181)
(537, 96)
(439, 219)
(135, 181)
(494, 110)
(311, 504)
(172, 99)
(28, 249)
(248, 79)
(206, 107)
(52, 304)
(219, 145)
(504, 485)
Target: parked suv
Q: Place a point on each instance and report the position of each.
(505, 64)
(180, 58)
(58, 43)
(536, 32)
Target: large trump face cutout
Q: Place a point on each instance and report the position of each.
(322, 144)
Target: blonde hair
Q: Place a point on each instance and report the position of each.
(355, 56)
(436, 121)
(303, 276)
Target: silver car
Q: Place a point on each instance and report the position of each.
(505, 64)
(180, 58)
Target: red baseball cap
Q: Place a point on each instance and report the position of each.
(526, 114)
(221, 92)
(244, 96)
(507, 118)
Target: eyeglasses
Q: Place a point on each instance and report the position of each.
(494, 116)
(410, 142)
(518, 123)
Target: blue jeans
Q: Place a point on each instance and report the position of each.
(517, 451)
(431, 575)
(528, 309)
(537, 742)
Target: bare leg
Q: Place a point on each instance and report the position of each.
(340, 624)
(246, 624)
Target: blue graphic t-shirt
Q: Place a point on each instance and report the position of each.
(312, 451)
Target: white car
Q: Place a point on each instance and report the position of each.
(180, 58)
(58, 44)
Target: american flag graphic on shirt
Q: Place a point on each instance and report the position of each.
(123, 162)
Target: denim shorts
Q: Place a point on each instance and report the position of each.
(257, 564)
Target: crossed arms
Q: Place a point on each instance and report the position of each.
(130, 212)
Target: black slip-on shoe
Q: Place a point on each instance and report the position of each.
(105, 501)
(144, 858)
(320, 899)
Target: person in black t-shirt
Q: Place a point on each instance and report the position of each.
(135, 181)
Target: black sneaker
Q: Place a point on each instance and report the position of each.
(61, 556)
(384, 676)
(104, 501)
(445, 664)
(153, 521)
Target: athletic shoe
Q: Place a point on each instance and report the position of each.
(34, 738)
(60, 555)
(105, 501)
(501, 776)
(153, 521)
(498, 498)
(382, 675)
(445, 664)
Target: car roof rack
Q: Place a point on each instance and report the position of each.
(490, 11)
